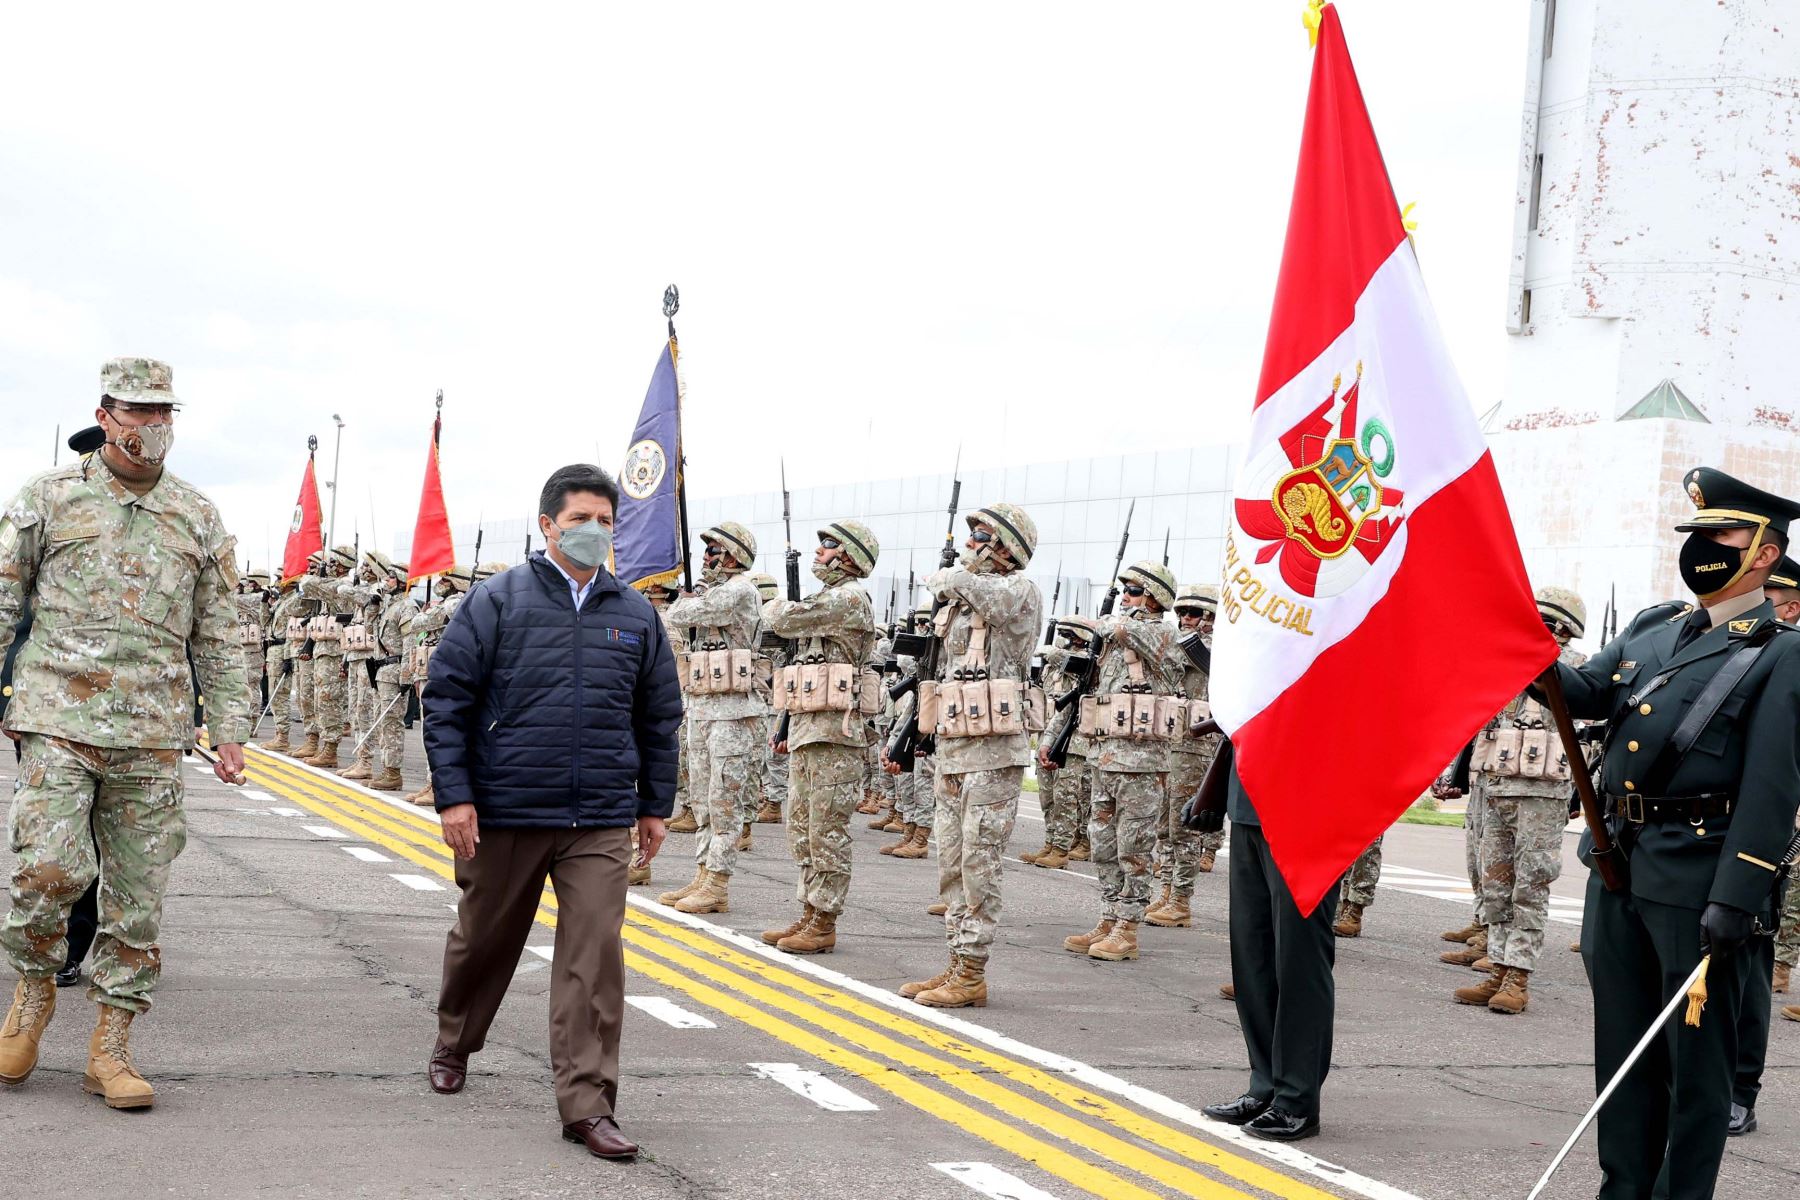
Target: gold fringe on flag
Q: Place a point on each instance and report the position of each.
(1697, 994)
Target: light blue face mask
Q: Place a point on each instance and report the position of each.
(587, 545)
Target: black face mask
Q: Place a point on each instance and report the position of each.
(1708, 567)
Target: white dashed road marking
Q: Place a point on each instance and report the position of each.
(324, 831)
(262, 798)
(990, 1180)
(827, 1094)
(366, 854)
(285, 812)
(419, 883)
(669, 1013)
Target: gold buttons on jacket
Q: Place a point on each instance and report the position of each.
(1617, 677)
(1630, 786)
(1632, 745)
(1644, 708)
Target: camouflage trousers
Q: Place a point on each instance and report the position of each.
(683, 800)
(389, 737)
(281, 688)
(723, 787)
(361, 704)
(825, 783)
(1787, 941)
(1071, 790)
(774, 768)
(330, 699)
(253, 674)
(1177, 847)
(975, 815)
(1472, 821)
(1364, 874)
(915, 794)
(1122, 832)
(306, 694)
(1521, 856)
(83, 811)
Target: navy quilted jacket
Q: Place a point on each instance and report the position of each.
(547, 718)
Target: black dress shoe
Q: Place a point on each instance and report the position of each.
(1236, 1112)
(448, 1070)
(602, 1138)
(69, 976)
(1743, 1120)
(1279, 1125)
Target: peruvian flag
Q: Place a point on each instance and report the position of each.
(432, 550)
(1374, 608)
(304, 532)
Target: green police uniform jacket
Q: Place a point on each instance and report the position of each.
(1749, 750)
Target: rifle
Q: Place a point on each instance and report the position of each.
(791, 562)
(1055, 596)
(1612, 608)
(527, 547)
(1086, 670)
(908, 743)
(477, 561)
(1112, 593)
(1166, 534)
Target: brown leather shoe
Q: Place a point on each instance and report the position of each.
(602, 1138)
(448, 1070)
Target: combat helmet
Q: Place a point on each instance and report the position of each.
(344, 556)
(259, 577)
(1563, 607)
(1197, 597)
(766, 585)
(379, 561)
(738, 541)
(488, 569)
(398, 570)
(1013, 526)
(459, 576)
(1155, 578)
(858, 541)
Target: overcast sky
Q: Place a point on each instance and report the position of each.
(1040, 229)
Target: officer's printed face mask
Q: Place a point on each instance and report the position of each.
(587, 545)
(144, 445)
(1709, 567)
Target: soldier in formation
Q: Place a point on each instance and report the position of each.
(428, 627)
(252, 625)
(771, 766)
(366, 589)
(280, 656)
(833, 632)
(661, 596)
(1360, 882)
(911, 806)
(337, 609)
(300, 650)
(1181, 851)
(1065, 792)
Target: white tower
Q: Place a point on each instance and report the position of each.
(1655, 282)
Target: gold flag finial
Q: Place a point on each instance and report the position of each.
(1313, 17)
(1407, 222)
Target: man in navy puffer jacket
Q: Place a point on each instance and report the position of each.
(551, 718)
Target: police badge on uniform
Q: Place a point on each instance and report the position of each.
(645, 466)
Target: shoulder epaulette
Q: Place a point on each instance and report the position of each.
(1666, 613)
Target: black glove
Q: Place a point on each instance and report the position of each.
(372, 668)
(1724, 929)
(1202, 820)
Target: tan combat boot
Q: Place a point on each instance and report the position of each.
(675, 897)
(917, 843)
(1031, 856)
(684, 822)
(1482, 965)
(1461, 935)
(387, 780)
(636, 876)
(308, 748)
(357, 770)
(34, 1003)
(882, 817)
(1155, 905)
(905, 840)
(745, 843)
(1349, 920)
(712, 896)
(1052, 859)
(1176, 914)
(326, 757)
(1117, 946)
(1481, 993)
(818, 936)
(277, 744)
(1514, 993)
(1208, 859)
(771, 936)
(1080, 851)
(1790, 1012)
(870, 803)
(1078, 943)
(109, 1070)
(425, 797)
(965, 989)
(1470, 954)
(1575, 947)
(768, 813)
(1783, 973)
(1228, 991)
(938, 909)
(911, 990)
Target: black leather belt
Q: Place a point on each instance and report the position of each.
(1639, 809)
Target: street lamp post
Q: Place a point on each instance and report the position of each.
(331, 529)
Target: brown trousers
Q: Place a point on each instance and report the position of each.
(501, 889)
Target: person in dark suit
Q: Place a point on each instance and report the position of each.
(1701, 775)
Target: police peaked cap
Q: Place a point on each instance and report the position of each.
(1786, 574)
(86, 441)
(1723, 502)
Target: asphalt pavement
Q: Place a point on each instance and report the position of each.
(302, 942)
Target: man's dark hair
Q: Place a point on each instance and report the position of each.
(576, 477)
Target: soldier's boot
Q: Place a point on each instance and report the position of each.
(1790, 1012)
(713, 896)
(356, 770)
(1079, 943)
(1514, 993)
(965, 989)
(870, 803)
(772, 936)
(387, 780)
(1783, 972)
(1080, 851)
(938, 909)
(636, 876)
(109, 1070)
(1176, 914)
(34, 1003)
(1349, 920)
(278, 744)
(1118, 945)
(1051, 859)
(911, 990)
(917, 843)
(1208, 859)
(1469, 954)
(1156, 904)
(1031, 856)
(1461, 935)
(684, 822)
(745, 842)
(308, 748)
(905, 839)
(326, 757)
(882, 816)
(818, 936)
(768, 813)
(425, 797)
(1486, 990)
(1228, 991)
(676, 896)
(1482, 965)
(896, 823)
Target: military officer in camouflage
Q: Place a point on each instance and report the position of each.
(252, 620)
(833, 627)
(300, 649)
(1178, 847)
(279, 660)
(1139, 662)
(661, 596)
(1360, 882)
(393, 675)
(727, 711)
(366, 590)
(1065, 792)
(914, 805)
(330, 588)
(771, 766)
(988, 617)
(428, 627)
(128, 571)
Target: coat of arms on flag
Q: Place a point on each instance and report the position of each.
(645, 465)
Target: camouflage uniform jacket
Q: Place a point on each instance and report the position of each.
(123, 588)
(329, 596)
(394, 638)
(252, 613)
(726, 616)
(1522, 712)
(430, 622)
(1013, 608)
(837, 623)
(288, 605)
(1058, 679)
(1193, 686)
(1152, 639)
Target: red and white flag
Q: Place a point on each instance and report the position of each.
(304, 532)
(433, 551)
(1374, 610)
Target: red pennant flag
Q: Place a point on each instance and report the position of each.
(433, 553)
(1367, 502)
(305, 534)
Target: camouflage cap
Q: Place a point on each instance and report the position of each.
(1197, 597)
(738, 541)
(1155, 578)
(766, 584)
(489, 569)
(1564, 607)
(857, 540)
(1012, 525)
(138, 381)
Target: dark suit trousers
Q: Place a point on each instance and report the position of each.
(502, 887)
(1638, 953)
(1753, 1021)
(1281, 968)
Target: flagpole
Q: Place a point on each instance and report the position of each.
(671, 306)
(336, 453)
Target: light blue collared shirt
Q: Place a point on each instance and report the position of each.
(577, 590)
